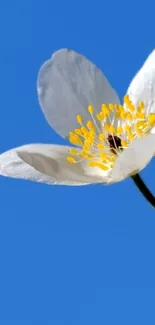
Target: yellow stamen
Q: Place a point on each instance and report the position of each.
(102, 155)
(90, 140)
(100, 141)
(112, 158)
(73, 151)
(101, 137)
(90, 109)
(84, 131)
(106, 127)
(151, 118)
(112, 129)
(116, 107)
(74, 139)
(139, 132)
(131, 107)
(90, 125)
(141, 107)
(100, 116)
(85, 154)
(127, 127)
(119, 130)
(111, 106)
(86, 147)
(105, 110)
(140, 116)
(78, 131)
(126, 99)
(129, 117)
(79, 119)
(117, 115)
(120, 108)
(123, 115)
(99, 165)
(100, 146)
(130, 135)
(140, 125)
(71, 160)
(124, 143)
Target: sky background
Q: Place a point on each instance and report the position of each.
(72, 256)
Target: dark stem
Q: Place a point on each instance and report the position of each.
(143, 189)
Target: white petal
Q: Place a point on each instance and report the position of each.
(67, 84)
(133, 159)
(47, 164)
(142, 87)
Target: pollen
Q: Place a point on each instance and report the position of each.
(140, 107)
(100, 146)
(75, 139)
(78, 131)
(119, 130)
(90, 125)
(151, 118)
(112, 129)
(111, 106)
(71, 160)
(102, 156)
(123, 115)
(124, 143)
(107, 133)
(79, 119)
(73, 151)
(99, 165)
(100, 116)
(90, 109)
(101, 137)
(105, 109)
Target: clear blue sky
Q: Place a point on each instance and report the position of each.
(72, 256)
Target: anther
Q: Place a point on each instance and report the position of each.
(79, 119)
(71, 160)
(90, 109)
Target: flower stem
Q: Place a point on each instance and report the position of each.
(143, 189)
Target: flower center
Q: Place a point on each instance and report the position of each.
(101, 139)
(114, 143)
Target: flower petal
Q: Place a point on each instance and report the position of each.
(142, 87)
(67, 84)
(47, 164)
(133, 159)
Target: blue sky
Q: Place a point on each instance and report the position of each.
(72, 256)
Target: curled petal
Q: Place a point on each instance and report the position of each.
(142, 87)
(67, 84)
(47, 164)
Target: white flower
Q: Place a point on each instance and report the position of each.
(113, 141)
